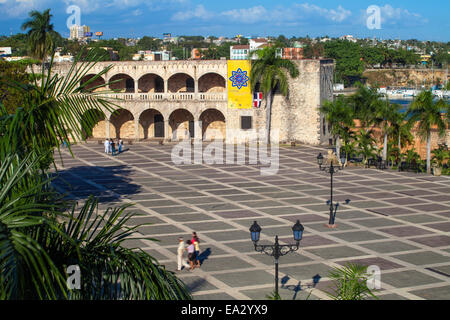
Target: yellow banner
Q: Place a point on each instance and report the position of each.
(239, 90)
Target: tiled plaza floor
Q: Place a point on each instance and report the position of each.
(397, 221)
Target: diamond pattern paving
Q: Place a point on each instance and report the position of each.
(397, 221)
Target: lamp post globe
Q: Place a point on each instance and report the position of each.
(255, 231)
(320, 159)
(298, 231)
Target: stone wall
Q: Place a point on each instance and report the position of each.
(405, 77)
(149, 83)
(211, 83)
(177, 83)
(213, 125)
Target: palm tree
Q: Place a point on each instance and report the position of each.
(40, 233)
(365, 103)
(40, 32)
(339, 116)
(400, 130)
(350, 283)
(385, 114)
(269, 71)
(428, 114)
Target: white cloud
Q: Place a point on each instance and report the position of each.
(395, 17)
(198, 13)
(89, 6)
(250, 15)
(278, 15)
(338, 15)
(16, 8)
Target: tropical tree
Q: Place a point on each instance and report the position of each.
(400, 131)
(39, 32)
(365, 144)
(269, 71)
(440, 155)
(386, 113)
(339, 117)
(366, 103)
(40, 233)
(427, 114)
(350, 283)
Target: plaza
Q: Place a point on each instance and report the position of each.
(397, 221)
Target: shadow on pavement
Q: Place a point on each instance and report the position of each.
(106, 183)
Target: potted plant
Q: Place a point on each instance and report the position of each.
(440, 156)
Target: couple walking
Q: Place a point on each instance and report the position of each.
(193, 250)
(110, 146)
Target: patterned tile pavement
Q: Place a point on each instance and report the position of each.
(398, 221)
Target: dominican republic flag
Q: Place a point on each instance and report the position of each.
(257, 99)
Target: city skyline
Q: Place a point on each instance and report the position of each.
(136, 18)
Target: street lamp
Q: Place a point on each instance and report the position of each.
(276, 250)
(331, 169)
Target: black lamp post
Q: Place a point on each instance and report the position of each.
(277, 250)
(331, 169)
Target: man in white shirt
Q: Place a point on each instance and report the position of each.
(180, 252)
(106, 144)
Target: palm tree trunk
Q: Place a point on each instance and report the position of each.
(385, 146)
(429, 151)
(399, 160)
(338, 147)
(268, 115)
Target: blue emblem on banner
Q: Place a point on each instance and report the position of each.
(239, 78)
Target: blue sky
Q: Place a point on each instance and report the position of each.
(134, 18)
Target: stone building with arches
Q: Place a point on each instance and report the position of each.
(171, 100)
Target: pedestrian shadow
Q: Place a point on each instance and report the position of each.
(106, 183)
(123, 151)
(204, 255)
(298, 287)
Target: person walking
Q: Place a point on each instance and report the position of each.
(120, 146)
(191, 252)
(110, 145)
(180, 252)
(196, 241)
(113, 147)
(106, 144)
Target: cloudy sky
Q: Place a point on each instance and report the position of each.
(401, 19)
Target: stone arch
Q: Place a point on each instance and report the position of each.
(123, 83)
(122, 124)
(95, 83)
(211, 82)
(98, 130)
(151, 82)
(151, 124)
(212, 120)
(180, 82)
(181, 124)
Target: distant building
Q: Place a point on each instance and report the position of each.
(292, 53)
(79, 32)
(348, 38)
(197, 54)
(59, 58)
(5, 52)
(239, 52)
(152, 56)
(257, 43)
